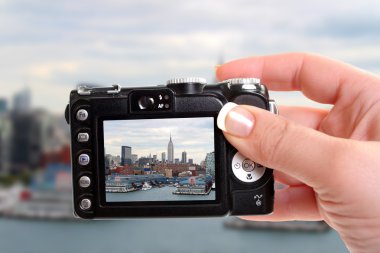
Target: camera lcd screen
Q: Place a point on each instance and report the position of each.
(168, 159)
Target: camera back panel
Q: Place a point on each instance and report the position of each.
(157, 152)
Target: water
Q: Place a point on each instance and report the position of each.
(155, 236)
(156, 194)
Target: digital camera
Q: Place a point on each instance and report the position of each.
(157, 152)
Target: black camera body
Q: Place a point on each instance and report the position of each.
(115, 131)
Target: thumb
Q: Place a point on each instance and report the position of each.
(278, 143)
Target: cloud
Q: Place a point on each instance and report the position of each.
(52, 46)
(193, 135)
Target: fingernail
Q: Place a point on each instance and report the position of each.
(217, 67)
(235, 120)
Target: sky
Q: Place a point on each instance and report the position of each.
(51, 46)
(151, 137)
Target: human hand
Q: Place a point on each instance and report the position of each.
(330, 159)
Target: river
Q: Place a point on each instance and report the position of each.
(205, 235)
(156, 194)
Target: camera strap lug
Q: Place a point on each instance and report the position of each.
(273, 107)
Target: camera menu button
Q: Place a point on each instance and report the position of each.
(83, 137)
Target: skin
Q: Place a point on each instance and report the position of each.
(329, 159)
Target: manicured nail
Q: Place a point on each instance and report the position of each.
(235, 120)
(223, 114)
(217, 66)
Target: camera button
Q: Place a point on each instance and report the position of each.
(82, 115)
(246, 170)
(85, 204)
(83, 137)
(84, 159)
(84, 181)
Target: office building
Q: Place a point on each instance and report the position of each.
(3, 106)
(163, 157)
(126, 155)
(184, 157)
(22, 101)
(134, 158)
(210, 164)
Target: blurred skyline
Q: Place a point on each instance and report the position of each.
(52, 46)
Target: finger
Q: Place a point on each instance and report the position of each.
(309, 117)
(321, 79)
(278, 143)
(283, 178)
(292, 203)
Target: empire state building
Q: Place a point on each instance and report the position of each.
(170, 151)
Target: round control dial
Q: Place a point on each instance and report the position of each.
(246, 170)
(187, 85)
(242, 81)
(187, 80)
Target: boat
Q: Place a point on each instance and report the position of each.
(118, 187)
(146, 186)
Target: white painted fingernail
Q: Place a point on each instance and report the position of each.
(221, 120)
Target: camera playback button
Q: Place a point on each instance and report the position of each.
(84, 159)
(246, 170)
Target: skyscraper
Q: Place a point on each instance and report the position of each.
(22, 101)
(184, 157)
(170, 150)
(126, 155)
(163, 157)
(3, 106)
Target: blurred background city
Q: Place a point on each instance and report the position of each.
(48, 47)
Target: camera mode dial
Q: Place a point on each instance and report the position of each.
(187, 85)
(235, 81)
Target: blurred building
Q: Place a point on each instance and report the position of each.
(5, 141)
(3, 106)
(25, 144)
(143, 161)
(22, 101)
(210, 164)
